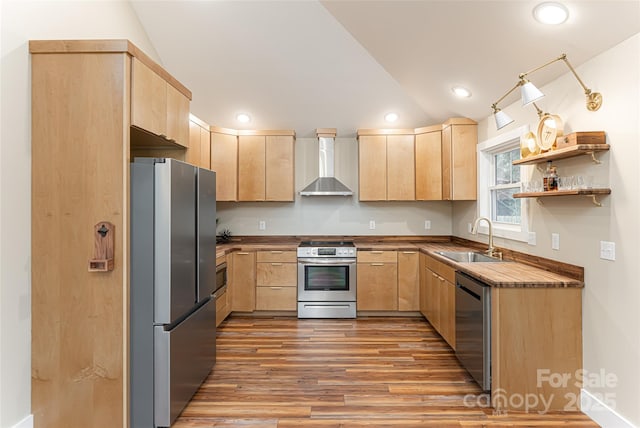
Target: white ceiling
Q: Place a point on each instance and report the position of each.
(343, 64)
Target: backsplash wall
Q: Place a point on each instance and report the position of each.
(333, 215)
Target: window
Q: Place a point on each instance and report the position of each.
(498, 181)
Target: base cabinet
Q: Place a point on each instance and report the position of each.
(440, 298)
(408, 281)
(276, 281)
(377, 279)
(242, 281)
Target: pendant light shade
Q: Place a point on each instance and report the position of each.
(502, 119)
(530, 93)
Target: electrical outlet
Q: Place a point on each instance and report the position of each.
(607, 250)
(555, 241)
(262, 225)
(531, 239)
(372, 224)
(469, 227)
(427, 224)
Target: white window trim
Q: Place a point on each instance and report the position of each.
(486, 150)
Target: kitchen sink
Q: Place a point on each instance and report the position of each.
(468, 257)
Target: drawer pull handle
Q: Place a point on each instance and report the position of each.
(242, 254)
(276, 252)
(434, 275)
(276, 264)
(441, 278)
(408, 252)
(376, 252)
(276, 288)
(377, 264)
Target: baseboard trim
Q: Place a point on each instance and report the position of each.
(602, 414)
(25, 423)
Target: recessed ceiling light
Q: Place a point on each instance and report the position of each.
(461, 92)
(552, 13)
(391, 117)
(243, 117)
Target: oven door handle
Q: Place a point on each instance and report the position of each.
(327, 261)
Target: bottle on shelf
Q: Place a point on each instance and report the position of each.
(552, 180)
(545, 177)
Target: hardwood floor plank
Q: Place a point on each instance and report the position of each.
(283, 372)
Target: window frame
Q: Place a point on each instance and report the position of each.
(486, 179)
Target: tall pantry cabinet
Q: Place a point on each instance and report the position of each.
(81, 145)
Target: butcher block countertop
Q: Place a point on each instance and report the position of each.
(519, 271)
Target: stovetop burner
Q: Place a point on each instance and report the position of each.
(326, 244)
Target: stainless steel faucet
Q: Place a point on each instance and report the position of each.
(491, 251)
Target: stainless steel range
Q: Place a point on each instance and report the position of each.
(326, 279)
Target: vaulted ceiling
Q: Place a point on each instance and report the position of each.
(343, 64)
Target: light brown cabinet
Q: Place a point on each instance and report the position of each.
(377, 278)
(157, 106)
(276, 281)
(459, 165)
(266, 168)
(440, 305)
(243, 281)
(429, 163)
(223, 299)
(408, 281)
(83, 90)
(224, 161)
(386, 167)
(199, 151)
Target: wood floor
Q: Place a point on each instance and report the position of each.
(373, 372)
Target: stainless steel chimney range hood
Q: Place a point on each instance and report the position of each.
(326, 184)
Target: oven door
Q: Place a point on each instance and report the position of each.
(326, 280)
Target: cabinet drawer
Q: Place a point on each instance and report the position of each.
(222, 307)
(277, 256)
(276, 299)
(277, 274)
(220, 260)
(447, 272)
(377, 256)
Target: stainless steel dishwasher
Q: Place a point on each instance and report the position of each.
(473, 328)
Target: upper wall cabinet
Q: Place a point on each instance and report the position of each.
(426, 164)
(253, 166)
(266, 168)
(224, 161)
(429, 163)
(157, 106)
(386, 166)
(459, 165)
(199, 151)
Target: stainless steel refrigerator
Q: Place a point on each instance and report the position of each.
(173, 273)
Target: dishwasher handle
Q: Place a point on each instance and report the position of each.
(466, 290)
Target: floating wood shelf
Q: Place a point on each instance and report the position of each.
(567, 152)
(591, 193)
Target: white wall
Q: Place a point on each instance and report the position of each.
(333, 215)
(23, 20)
(610, 300)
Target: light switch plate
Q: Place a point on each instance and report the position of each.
(531, 238)
(262, 225)
(427, 224)
(372, 224)
(555, 241)
(607, 250)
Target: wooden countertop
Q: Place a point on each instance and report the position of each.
(519, 273)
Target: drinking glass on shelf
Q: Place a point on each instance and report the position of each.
(566, 183)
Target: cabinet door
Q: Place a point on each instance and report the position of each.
(446, 164)
(401, 182)
(408, 281)
(251, 168)
(464, 140)
(432, 286)
(148, 99)
(193, 151)
(377, 288)
(177, 113)
(279, 168)
(423, 285)
(205, 148)
(447, 302)
(429, 166)
(372, 168)
(244, 281)
(224, 161)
